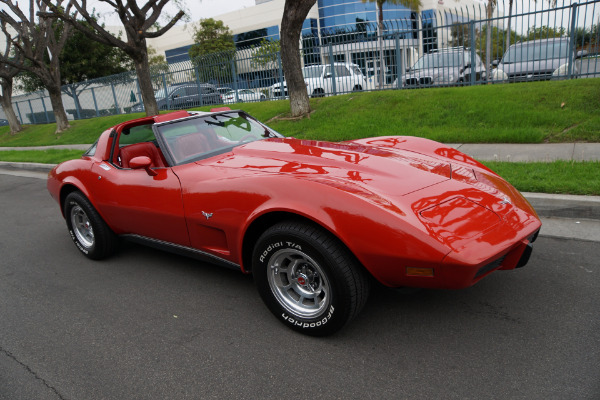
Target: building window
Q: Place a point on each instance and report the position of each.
(253, 38)
(179, 54)
(429, 31)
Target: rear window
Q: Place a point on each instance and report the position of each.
(137, 134)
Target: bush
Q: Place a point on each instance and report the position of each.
(87, 113)
(41, 117)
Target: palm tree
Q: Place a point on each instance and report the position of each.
(414, 5)
(488, 38)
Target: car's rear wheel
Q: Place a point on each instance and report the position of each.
(357, 88)
(307, 278)
(318, 93)
(89, 232)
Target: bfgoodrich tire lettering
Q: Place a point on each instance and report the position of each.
(307, 278)
(89, 232)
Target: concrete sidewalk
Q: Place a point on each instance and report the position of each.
(546, 152)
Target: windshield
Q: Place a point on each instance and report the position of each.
(536, 51)
(160, 94)
(313, 71)
(439, 60)
(204, 136)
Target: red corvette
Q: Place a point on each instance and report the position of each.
(313, 221)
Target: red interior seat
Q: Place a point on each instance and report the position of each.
(147, 149)
(191, 145)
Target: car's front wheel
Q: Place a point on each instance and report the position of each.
(89, 232)
(307, 278)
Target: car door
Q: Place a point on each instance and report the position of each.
(327, 79)
(178, 98)
(209, 95)
(343, 79)
(192, 97)
(248, 95)
(136, 202)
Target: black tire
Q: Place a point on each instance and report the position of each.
(89, 232)
(318, 93)
(308, 279)
(357, 88)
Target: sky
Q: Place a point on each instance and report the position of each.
(197, 9)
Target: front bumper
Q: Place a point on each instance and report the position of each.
(463, 269)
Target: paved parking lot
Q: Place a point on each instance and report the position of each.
(150, 325)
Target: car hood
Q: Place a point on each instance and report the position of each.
(389, 172)
(532, 67)
(444, 72)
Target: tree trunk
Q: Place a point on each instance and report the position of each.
(510, 5)
(380, 40)
(62, 122)
(6, 101)
(294, 13)
(50, 77)
(488, 41)
(142, 69)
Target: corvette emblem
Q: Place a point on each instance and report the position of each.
(505, 200)
(207, 215)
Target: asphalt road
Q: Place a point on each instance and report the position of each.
(150, 325)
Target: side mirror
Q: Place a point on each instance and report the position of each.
(408, 69)
(495, 63)
(581, 53)
(142, 162)
(328, 75)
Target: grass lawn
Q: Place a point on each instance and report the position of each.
(535, 112)
(565, 177)
(50, 156)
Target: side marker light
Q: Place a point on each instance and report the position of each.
(415, 271)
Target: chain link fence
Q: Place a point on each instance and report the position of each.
(430, 49)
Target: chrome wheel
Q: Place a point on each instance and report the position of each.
(82, 228)
(298, 283)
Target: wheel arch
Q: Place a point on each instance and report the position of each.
(68, 188)
(318, 92)
(265, 221)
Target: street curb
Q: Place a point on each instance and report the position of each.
(564, 205)
(39, 167)
(82, 147)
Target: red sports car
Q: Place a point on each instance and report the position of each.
(314, 222)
